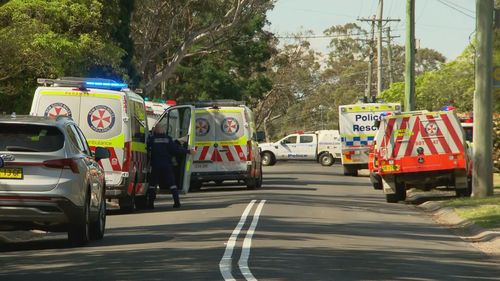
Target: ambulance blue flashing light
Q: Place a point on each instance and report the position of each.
(108, 85)
(447, 108)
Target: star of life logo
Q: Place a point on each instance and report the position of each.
(101, 118)
(431, 128)
(202, 127)
(230, 126)
(57, 109)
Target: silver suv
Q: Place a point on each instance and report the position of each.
(50, 179)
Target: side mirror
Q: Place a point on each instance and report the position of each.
(101, 153)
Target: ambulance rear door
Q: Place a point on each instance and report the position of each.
(179, 122)
(205, 159)
(231, 137)
(52, 101)
(104, 123)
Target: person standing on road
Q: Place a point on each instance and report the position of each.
(161, 148)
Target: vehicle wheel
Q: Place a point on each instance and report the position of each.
(350, 171)
(400, 191)
(463, 186)
(218, 182)
(326, 159)
(268, 159)
(150, 198)
(79, 234)
(259, 180)
(98, 227)
(127, 203)
(377, 185)
(141, 202)
(195, 185)
(391, 198)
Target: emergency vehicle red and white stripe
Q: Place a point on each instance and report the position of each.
(224, 153)
(417, 142)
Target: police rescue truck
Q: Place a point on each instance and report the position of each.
(322, 146)
(421, 150)
(223, 133)
(357, 132)
(112, 116)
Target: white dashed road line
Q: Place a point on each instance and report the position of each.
(225, 264)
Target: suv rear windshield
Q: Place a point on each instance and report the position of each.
(30, 138)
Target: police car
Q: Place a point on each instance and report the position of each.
(112, 116)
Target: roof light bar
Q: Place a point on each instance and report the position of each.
(105, 85)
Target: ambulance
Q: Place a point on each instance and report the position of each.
(155, 109)
(421, 150)
(112, 116)
(357, 132)
(223, 133)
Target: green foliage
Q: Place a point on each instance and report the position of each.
(42, 38)
(235, 70)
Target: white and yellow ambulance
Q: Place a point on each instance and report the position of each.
(112, 116)
(224, 135)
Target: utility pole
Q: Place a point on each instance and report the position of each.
(389, 55)
(379, 52)
(370, 64)
(410, 56)
(379, 48)
(482, 171)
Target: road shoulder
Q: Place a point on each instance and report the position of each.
(486, 240)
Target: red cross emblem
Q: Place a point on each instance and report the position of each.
(230, 126)
(57, 109)
(101, 118)
(431, 128)
(202, 127)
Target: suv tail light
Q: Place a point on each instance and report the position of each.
(67, 163)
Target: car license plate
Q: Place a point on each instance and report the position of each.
(11, 173)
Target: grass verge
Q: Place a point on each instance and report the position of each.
(482, 211)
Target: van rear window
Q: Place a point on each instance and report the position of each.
(30, 138)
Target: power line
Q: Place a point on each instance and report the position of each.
(319, 36)
(458, 6)
(455, 8)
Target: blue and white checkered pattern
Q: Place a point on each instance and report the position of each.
(358, 141)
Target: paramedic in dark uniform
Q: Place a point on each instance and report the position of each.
(161, 148)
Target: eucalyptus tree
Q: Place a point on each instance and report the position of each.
(168, 31)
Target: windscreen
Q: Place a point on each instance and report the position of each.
(30, 138)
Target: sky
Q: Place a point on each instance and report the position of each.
(443, 25)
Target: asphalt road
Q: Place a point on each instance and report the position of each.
(307, 223)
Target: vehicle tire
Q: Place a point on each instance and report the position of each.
(195, 185)
(463, 186)
(98, 227)
(141, 202)
(400, 191)
(268, 159)
(79, 234)
(326, 159)
(150, 198)
(127, 202)
(391, 198)
(259, 179)
(350, 171)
